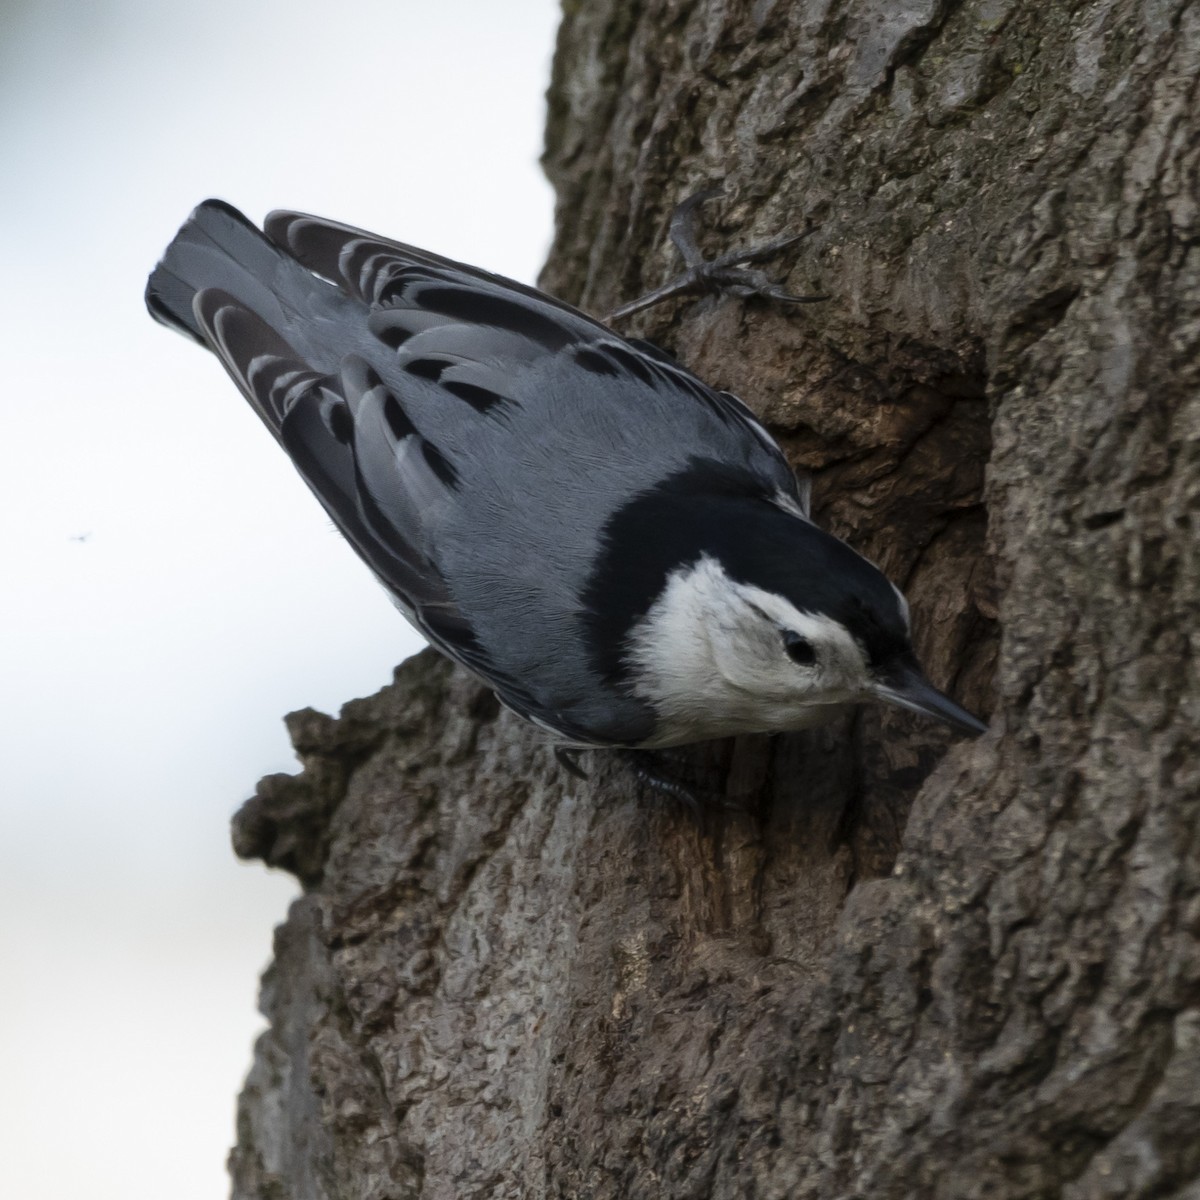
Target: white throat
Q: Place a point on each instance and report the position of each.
(709, 657)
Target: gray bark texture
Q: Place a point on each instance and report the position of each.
(899, 966)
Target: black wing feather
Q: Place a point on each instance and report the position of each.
(329, 428)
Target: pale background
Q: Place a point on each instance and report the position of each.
(168, 588)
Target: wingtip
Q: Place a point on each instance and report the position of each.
(176, 317)
(215, 204)
(216, 244)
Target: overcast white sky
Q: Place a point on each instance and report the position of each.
(169, 589)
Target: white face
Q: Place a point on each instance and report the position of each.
(713, 658)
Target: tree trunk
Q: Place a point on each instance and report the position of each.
(897, 966)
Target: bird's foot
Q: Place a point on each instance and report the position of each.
(567, 757)
(647, 769)
(728, 273)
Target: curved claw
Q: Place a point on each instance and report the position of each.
(682, 227)
(678, 286)
(746, 284)
(762, 251)
(568, 759)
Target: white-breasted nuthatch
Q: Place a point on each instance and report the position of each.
(621, 552)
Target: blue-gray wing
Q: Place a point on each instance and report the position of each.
(549, 423)
(471, 437)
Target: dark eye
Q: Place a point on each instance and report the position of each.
(799, 649)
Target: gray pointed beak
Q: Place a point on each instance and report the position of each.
(908, 688)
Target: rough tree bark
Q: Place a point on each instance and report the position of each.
(906, 967)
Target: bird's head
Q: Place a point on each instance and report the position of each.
(764, 622)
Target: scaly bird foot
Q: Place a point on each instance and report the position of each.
(727, 273)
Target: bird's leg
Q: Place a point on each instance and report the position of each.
(647, 769)
(645, 765)
(726, 273)
(641, 764)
